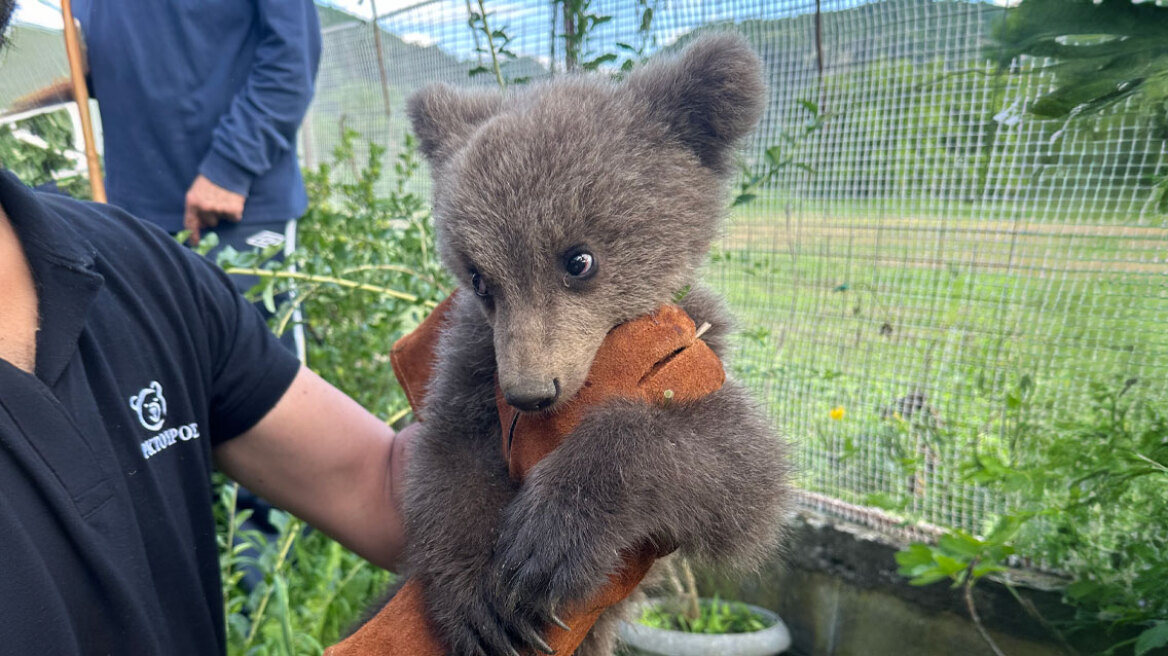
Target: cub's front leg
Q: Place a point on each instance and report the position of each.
(706, 477)
(456, 489)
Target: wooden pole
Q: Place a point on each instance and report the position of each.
(81, 95)
(380, 57)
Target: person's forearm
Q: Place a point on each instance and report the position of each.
(324, 458)
(368, 520)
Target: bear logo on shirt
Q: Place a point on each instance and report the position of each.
(150, 406)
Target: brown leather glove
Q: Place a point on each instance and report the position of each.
(657, 358)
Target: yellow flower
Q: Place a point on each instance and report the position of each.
(837, 413)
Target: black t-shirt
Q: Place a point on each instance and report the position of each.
(146, 359)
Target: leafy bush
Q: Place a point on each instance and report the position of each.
(40, 151)
(384, 245)
(364, 274)
(1105, 51)
(1090, 495)
(312, 588)
(1102, 53)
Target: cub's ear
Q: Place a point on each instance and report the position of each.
(443, 117)
(711, 95)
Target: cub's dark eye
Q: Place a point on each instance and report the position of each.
(580, 264)
(479, 284)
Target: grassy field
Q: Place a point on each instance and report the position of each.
(933, 333)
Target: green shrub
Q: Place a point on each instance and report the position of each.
(364, 274)
(40, 150)
(1090, 495)
(312, 591)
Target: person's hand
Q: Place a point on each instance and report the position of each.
(207, 204)
(398, 460)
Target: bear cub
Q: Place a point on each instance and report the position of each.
(563, 209)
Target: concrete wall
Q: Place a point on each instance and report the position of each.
(838, 591)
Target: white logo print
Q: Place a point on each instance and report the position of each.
(264, 238)
(150, 406)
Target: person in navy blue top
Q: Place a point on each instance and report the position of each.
(200, 102)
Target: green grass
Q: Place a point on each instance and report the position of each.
(849, 305)
(1105, 206)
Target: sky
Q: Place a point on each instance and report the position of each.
(47, 13)
(443, 22)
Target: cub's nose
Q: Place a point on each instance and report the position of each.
(530, 396)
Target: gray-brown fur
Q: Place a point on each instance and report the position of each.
(637, 173)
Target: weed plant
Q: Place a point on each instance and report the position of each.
(364, 274)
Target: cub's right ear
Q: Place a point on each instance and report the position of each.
(443, 117)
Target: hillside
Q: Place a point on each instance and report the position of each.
(34, 57)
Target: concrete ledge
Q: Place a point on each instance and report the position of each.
(838, 591)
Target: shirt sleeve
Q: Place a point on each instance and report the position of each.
(261, 123)
(250, 370)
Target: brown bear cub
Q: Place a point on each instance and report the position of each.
(566, 208)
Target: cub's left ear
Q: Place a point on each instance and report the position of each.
(711, 95)
(443, 117)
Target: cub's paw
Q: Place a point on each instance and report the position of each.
(551, 554)
(472, 621)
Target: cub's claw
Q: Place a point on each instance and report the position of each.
(559, 622)
(526, 632)
(541, 644)
(475, 622)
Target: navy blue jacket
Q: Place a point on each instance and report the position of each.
(217, 87)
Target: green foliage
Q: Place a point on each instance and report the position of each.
(312, 588)
(1090, 494)
(1103, 51)
(715, 617)
(1155, 637)
(382, 243)
(498, 46)
(780, 156)
(580, 21)
(40, 150)
(364, 273)
(959, 556)
(646, 37)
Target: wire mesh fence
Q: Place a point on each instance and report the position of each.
(932, 267)
(931, 272)
(40, 126)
